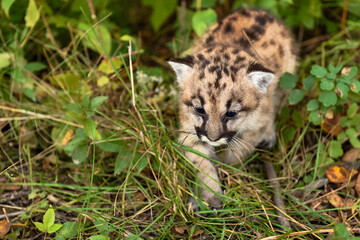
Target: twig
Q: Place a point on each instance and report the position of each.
(39, 115)
(308, 232)
(271, 174)
(13, 214)
(344, 14)
(182, 24)
(132, 77)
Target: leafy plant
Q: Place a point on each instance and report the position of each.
(83, 113)
(48, 225)
(329, 93)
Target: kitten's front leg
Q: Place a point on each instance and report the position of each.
(206, 173)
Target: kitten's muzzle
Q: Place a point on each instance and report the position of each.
(221, 139)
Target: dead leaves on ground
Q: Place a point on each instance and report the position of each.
(4, 228)
(341, 192)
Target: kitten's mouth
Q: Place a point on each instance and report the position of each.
(216, 143)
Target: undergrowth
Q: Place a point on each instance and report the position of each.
(88, 125)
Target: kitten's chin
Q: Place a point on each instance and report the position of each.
(221, 141)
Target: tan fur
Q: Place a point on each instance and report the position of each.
(219, 78)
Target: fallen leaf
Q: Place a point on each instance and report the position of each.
(335, 200)
(351, 155)
(349, 202)
(4, 228)
(331, 124)
(337, 174)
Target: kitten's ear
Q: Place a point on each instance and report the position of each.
(260, 76)
(182, 67)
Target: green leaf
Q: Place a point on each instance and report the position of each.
(335, 70)
(80, 153)
(296, 96)
(315, 117)
(97, 101)
(331, 76)
(342, 90)
(341, 231)
(335, 149)
(326, 84)
(353, 72)
(29, 93)
(162, 9)
(111, 146)
(318, 71)
(49, 218)
(99, 237)
(35, 66)
(69, 229)
(141, 162)
(92, 38)
(351, 132)
(202, 20)
(74, 107)
(288, 134)
(86, 101)
(355, 86)
(204, 4)
(287, 81)
(90, 129)
(328, 98)
(122, 161)
(352, 110)
(309, 82)
(54, 228)
(103, 226)
(40, 226)
(312, 105)
(5, 60)
(298, 119)
(341, 136)
(32, 14)
(6, 5)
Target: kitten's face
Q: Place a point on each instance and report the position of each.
(219, 93)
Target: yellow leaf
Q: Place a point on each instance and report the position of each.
(102, 81)
(337, 174)
(32, 14)
(335, 200)
(106, 67)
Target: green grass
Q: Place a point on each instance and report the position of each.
(135, 177)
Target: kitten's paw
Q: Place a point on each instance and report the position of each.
(214, 202)
(192, 205)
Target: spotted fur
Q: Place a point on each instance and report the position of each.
(229, 90)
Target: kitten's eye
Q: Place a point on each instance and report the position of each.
(230, 114)
(200, 111)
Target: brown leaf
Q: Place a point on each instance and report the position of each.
(335, 200)
(349, 202)
(4, 228)
(331, 124)
(351, 155)
(337, 174)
